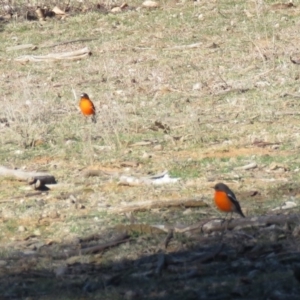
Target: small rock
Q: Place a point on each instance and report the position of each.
(146, 155)
(286, 205)
(69, 142)
(37, 232)
(197, 86)
(158, 147)
(247, 167)
(18, 152)
(21, 228)
(116, 10)
(150, 4)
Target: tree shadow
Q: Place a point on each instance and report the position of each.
(227, 265)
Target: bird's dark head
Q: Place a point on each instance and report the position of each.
(220, 187)
(84, 95)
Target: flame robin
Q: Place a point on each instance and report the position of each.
(225, 199)
(87, 107)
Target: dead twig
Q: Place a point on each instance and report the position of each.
(178, 47)
(119, 240)
(67, 42)
(168, 238)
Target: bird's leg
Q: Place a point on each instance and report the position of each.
(225, 228)
(231, 213)
(227, 221)
(224, 221)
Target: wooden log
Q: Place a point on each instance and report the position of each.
(27, 176)
(73, 55)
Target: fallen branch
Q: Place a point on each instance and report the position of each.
(21, 47)
(119, 240)
(73, 55)
(247, 167)
(122, 238)
(38, 179)
(287, 113)
(178, 47)
(183, 47)
(34, 47)
(146, 205)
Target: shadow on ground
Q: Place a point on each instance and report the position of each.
(239, 264)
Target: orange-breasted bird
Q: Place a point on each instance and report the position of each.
(87, 107)
(225, 199)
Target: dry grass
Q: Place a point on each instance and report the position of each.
(238, 86)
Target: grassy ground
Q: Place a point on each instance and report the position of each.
(214, 102)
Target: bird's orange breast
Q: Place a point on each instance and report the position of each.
(223, 202)
(87, 107)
